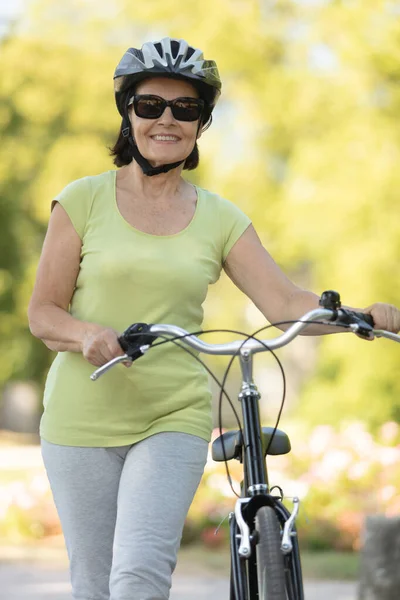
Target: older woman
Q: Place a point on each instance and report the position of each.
(125, 456)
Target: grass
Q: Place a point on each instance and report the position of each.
(330, 565)
(195, 559)
(316, 565)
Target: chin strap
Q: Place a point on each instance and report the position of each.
(143, 162)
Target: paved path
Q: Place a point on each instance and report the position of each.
(23, 581)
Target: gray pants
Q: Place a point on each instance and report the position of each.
(122, 510)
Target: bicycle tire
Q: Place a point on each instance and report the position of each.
(270, 564)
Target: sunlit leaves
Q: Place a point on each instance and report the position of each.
(305, 139)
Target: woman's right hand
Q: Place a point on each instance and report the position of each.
(100, 345)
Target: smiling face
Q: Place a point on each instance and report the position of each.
(164, 140)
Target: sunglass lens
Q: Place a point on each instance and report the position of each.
(149, 108)
(186, 110)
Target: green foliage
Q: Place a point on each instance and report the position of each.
(305, 140)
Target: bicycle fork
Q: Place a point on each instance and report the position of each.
(245, 537)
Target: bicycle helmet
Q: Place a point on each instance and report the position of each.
(166, 58)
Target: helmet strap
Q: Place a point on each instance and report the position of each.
(144, 164)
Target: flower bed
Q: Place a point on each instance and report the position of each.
(340, 477)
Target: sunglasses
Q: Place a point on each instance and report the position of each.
(148, 106)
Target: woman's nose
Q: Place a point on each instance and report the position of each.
(167, 116)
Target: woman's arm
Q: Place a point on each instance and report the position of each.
(256, 274)
(49, 319)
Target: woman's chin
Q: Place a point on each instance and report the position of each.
(165, 160)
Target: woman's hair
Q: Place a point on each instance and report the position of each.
(122, 149)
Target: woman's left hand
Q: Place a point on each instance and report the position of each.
(386, 316)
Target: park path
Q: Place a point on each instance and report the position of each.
(30, 581)
(24, 579)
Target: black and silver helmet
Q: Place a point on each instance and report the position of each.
(166, 58)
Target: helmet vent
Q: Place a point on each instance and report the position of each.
(174, 48)
(137, 53)
(159, 48)
(190, 52)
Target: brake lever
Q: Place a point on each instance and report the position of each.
(115, 361)
(135, 341)
(364, 331)
(363, 326)
(104, 368)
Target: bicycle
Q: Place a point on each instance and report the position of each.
(264, 548)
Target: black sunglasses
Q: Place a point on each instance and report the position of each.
(148, 106)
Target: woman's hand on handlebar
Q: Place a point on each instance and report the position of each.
(386, 316)
(100, 345)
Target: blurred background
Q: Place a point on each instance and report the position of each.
(306, 140)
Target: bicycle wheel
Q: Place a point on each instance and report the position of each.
(270, 566)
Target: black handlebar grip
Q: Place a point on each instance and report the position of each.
(345, 316)
(134, 337)
(364, 317)
(331, 300)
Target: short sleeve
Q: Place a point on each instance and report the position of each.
(234, 223)
(76, 200)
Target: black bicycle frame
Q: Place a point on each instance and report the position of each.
(239, 586)
(244, 585)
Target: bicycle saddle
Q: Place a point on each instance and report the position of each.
(233, 444)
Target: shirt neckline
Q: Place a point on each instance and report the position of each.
(154, 235)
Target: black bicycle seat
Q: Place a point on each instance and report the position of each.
(233, 443)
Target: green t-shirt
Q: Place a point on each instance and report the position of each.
(128, 276)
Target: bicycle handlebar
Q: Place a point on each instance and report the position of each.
(137, 339)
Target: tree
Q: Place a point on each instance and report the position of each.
(304, 140)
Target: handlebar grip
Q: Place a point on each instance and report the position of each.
(331, 300)
(134, 337)
(364, 317)
(349, 317)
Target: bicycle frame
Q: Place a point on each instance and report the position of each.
(255, 493)
(255, 482)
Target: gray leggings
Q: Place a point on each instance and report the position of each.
(122, 510)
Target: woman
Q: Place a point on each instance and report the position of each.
(124, 456)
